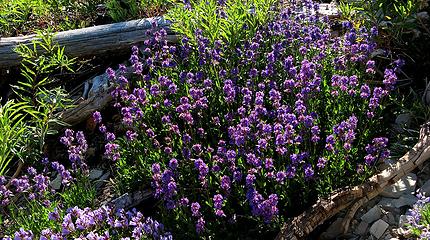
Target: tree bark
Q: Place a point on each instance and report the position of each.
(89, 41)
(302, 225)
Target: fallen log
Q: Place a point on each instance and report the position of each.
(96, 96)
(301, 226)
(91, 41)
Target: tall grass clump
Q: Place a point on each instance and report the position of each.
(250, 135)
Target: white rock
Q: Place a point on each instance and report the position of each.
(372, 215)
(405, 200)
(95, 174)
(405, 185)
(361, 229)
(378, 228)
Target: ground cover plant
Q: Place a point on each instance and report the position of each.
(404, 31)
(418, 218)
(50, 214)
(253, 115)
(232, 137)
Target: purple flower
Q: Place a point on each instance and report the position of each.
(173, 163)
(225, 183)
(309, 172)
(200, 225)
(195, 209)
(218, 201)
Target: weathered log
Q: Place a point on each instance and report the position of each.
(302, 225)
(91, 41)
(96, 96)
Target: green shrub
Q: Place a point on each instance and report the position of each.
(12, 130)
(231, 21)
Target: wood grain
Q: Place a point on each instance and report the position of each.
(91, 41)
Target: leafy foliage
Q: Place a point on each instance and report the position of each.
(231, 21)
(39, 63)
(26, 16)
(12, 130)
(122, 10)
(418, 218)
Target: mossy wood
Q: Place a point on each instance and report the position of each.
(301, 226)
(91, 41)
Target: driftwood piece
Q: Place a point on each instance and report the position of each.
(96, 97)
(302, 225)
(89, 41)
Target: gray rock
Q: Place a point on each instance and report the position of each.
(391, 219)
(405, 200)
(333, 231)
(402, 221)
(403, 119)
(386, 203)
(423, 15)
(425, 188)
(102, 179)
(361, 229)
(378, 228)
(372, 215)
(95, 174)
(405, 185)
(123, 201)
(56, 183)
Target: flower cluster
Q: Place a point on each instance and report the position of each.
(417, 220)
(76, 150)
(34, 185)
(233, 131)
(111, 148)
(101, 223)
(377, 150)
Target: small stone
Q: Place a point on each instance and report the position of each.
(329, 10)
(333, 231)
(423, 15)
(391, 219)
(56, 183)
(378, 228)
(95, 174)
(405, 185)
(425, 188)
(102, 179)
(402, 221)
(405, 200)
(403, 119)
(122, 201)
(388, 237)
(372, 215)
(361, 228)
(386, 203)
